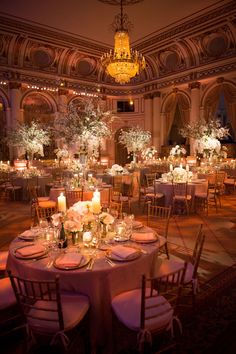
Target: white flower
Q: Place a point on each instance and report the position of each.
(106, 218)
(135, 139)
(177, 151)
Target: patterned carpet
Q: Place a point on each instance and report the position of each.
(209, 329)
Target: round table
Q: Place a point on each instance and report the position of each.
(100, 285)
(199, 186)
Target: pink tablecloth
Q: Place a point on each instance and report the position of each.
(100, 284)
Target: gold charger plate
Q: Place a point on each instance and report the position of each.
(113, 257)
(84, 261)
(32, 256)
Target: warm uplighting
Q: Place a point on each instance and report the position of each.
(122, 63)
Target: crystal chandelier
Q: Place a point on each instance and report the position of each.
(122, 63)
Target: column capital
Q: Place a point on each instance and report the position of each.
(14, 85)
(62, 91)
(220, 80)
(194, 85)
(148, 96)
(156, 94)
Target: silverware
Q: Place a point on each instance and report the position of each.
(112, 264)
(90, 264)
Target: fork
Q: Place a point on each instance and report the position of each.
(112, 264)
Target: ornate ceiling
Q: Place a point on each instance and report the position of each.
(195, 47)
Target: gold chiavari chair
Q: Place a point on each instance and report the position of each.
(158, 218)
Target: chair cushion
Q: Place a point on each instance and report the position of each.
(169, 266)
(74, 308)
(43, 199)
(183, 197)
(7, 296)
(3, 259)
(47, 204)
(127, 307)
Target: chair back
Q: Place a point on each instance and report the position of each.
(198, 250)
(113, 206)
(159, 216)
(150, 178)
(40, 303)
(168, 286)
(73, 196)
(45, 212)
(180, 189)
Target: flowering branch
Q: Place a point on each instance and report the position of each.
(135, 139)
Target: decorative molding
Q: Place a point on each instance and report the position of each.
(194, 85)
(14, 85)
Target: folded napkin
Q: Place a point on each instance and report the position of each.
(27, 234)
(137, 225)
(123, 252)
(35, 250)
(144, 236)
(70, 259)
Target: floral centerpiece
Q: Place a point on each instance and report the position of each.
(177, 151)
(178, 174)
(207, 136)
(115, 170)
(149, 153)
(135, 140)
(84, 126)
(30, 138)
(81, 217)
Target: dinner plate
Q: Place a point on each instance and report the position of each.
(113, 257)
(32, 256)
(84, 261)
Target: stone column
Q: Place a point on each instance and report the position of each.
(148, 112)
(62, 100)
(15, 112)
(195, 108)
(15, 97)
(156, 128)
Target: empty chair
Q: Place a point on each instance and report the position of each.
(149, 179)
(9, 311)
(50, 315)
(38, 203)
(230, 181)
(181, 198)
(73, 196)
(150, 309)
(191, 276)
(158, 218)
(45, 212)
(115, 209)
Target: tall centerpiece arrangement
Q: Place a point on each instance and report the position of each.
(135, 140)
(29, 138)
(84, 126)
(206, 135)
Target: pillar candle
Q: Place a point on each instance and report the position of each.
(61, 200)
(87, 236)
(187, 168)
(171, 167)
(96, 195)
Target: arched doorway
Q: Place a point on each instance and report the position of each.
(4, 150)
(121, 154)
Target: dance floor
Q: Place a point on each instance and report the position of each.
(217, 268)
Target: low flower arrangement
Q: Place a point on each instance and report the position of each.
(149, 153)
(179, 174)
(116, 169)
(177, 151)
(80, 217)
